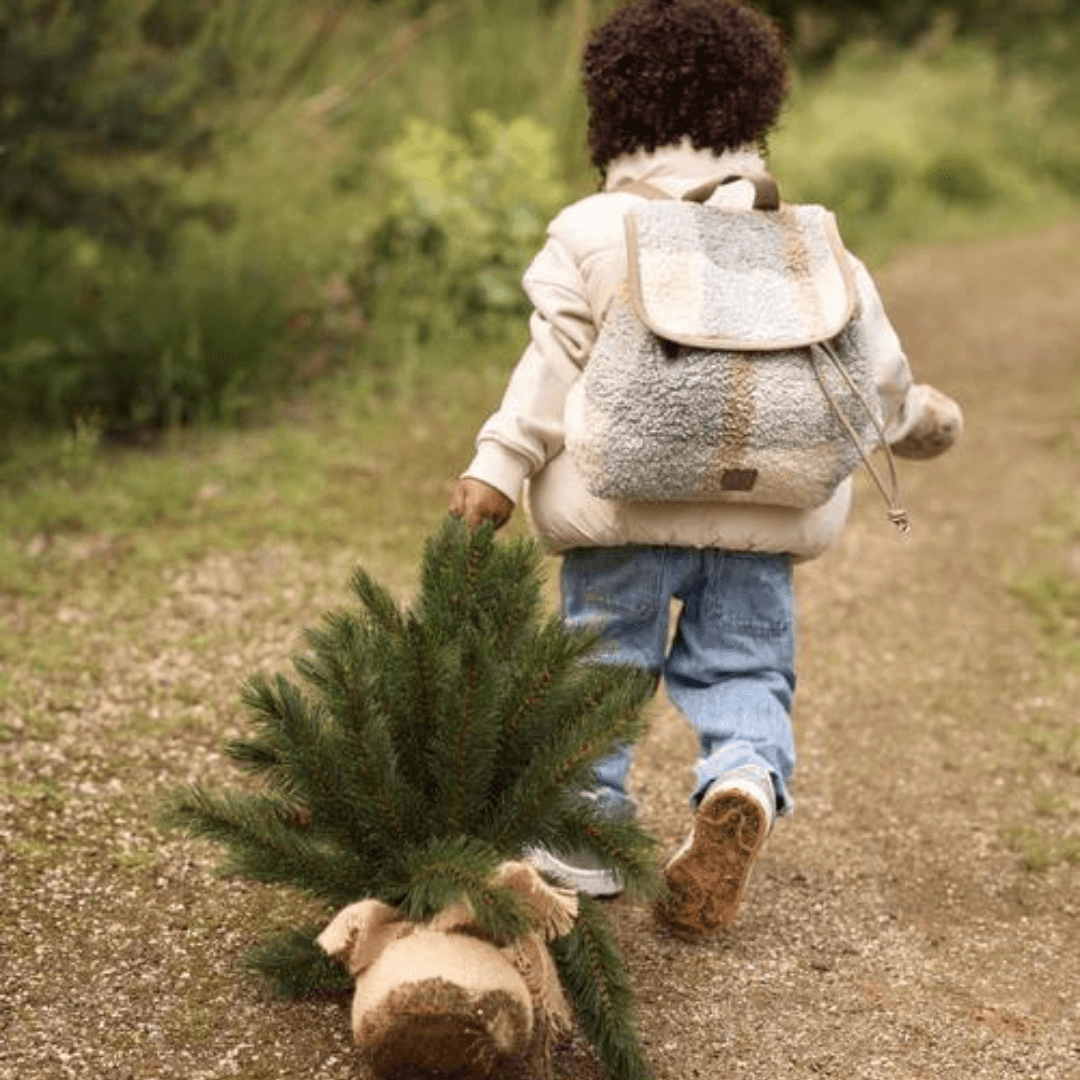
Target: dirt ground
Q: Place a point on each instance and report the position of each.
(891, 932)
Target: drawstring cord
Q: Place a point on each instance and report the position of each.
(894, 501)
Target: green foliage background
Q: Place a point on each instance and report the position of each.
(207, 205)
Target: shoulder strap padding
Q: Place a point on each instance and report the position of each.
(766, 190)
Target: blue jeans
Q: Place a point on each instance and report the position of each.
(730, 667)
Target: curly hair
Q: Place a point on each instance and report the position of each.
(659, 71)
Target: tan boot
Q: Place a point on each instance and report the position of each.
(707, 876)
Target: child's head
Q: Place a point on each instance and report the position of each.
(660, 71)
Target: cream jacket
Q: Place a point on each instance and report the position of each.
(519, 450)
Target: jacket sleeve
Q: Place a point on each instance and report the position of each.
(527, 429)
(919, 421)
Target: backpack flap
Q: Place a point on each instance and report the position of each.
(715, 278)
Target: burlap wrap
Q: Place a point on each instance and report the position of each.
(385, 951)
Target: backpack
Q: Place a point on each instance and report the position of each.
(733, 364)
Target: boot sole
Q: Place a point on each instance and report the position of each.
(707, 879)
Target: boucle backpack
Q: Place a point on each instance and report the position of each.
(733, 365)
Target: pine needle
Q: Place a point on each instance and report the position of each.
(378, 602)
(593, 975)
(296, 967)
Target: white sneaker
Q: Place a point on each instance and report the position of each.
(707, 876)
(579, 871)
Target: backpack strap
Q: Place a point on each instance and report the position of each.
(766, 190)
(641, 187)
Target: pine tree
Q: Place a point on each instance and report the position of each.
(90, 90)
(421, 748)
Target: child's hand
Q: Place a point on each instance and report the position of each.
(939, 425)
(478, 502)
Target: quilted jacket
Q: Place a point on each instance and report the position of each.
(571, 283)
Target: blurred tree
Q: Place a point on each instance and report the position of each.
(88, 89)
(1027, 30)
(1033, 29)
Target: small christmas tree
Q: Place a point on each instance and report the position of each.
(423, 751)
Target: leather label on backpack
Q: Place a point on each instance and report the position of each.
(738, 479)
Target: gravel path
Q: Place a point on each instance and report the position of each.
(892, 929)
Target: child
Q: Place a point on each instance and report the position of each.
(682, 94)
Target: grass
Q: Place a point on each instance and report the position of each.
(352, 466)
(1049, 745)
(911, 147)
(1054, 741)
(1052, 593)
(1038, 850)
(1046, 583)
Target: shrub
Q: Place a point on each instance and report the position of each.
(865, 182)
(908, 148)
(465, 216)
(116, 302)
(956, 177)
(92, 332)
(84, 85)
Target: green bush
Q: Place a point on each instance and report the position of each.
(957, 177)
(112, 336)
(122, 299)
(465, 215)
(101, 83)
(910, 148)
(864, 182)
